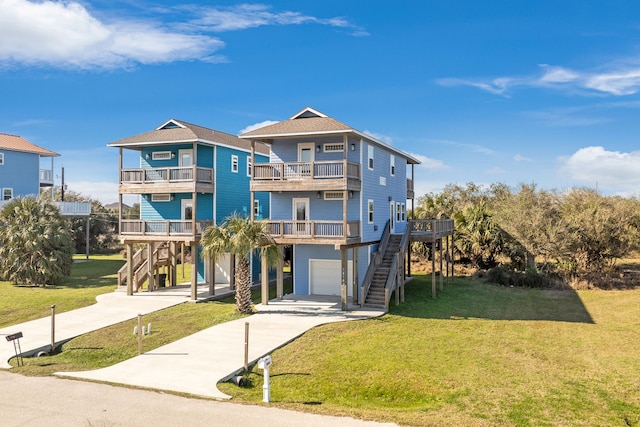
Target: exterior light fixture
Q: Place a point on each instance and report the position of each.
(317, 148)
(146, 156)
(353, 147)
(173, 155)
(318, 195)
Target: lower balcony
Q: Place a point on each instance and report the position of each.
(152, 229)
(314, 232)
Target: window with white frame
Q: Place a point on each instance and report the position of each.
(333, 147)
(370, 211)
(392, 170)
(249, 166)
(234, 164)
(162, 197)
(333, 195)
(404, 213)
(1, 158)
(7, 193)
(370, 156)
(398, 215)
(256, 208)
(161, 155)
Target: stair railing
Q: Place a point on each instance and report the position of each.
(136, 260)
(395, 280)
(375, 262)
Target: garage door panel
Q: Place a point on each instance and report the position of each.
(325, 277)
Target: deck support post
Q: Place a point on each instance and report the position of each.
(343, 282)
(264, 277)
(440, 271)
(194, 271)
(232, 270)
(354, 275)
(129, 269)
(212, 276)
(279, 273)
(433, 268)
(151, 282)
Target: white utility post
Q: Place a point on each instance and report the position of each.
(265, 364)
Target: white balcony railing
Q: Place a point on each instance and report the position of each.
(162, 227)
(306, 170)
(166, 175)
(46, 176)
(313, 229)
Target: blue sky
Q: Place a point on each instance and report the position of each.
(543, 92)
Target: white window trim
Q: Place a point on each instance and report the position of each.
(392, 167)
(234, 163)
(404, 212)
(256, 208)
(371, 208)
(398, 213)
(1, 158)
(333, 147)
(161, 197)
(4, 191)
(249, 166)
(161, 155)
(370, 155)
(339, 195)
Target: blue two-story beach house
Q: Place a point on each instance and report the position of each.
(21, 171)
(339, 198)
(188, 177)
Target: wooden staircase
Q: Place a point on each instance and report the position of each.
(376, 295)
(140, 261)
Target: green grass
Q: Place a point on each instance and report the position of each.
(116, 343)
(477, 355)
(88, 280)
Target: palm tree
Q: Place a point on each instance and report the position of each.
(239, 236)
(36, 246)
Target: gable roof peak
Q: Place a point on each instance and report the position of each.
(171, 124)
(306, 113)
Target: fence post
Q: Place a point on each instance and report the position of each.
(53, 328)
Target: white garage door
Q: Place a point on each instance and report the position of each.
(325, 277)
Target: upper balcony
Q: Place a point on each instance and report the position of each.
(288, 232)
(410, 192)
(182, 179)
(143, 230)
(46, 177)
(306, 176)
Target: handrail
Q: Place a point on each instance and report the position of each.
(328, 169)
(396, 270)
(438, 227)
(375, 262)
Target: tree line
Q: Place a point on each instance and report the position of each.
(571, 233)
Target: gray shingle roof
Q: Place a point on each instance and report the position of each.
(185, 132)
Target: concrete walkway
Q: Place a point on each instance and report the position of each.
(195, 364)
(110, 308)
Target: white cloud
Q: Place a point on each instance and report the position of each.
(521, 158)
(257, 126)
(244, 16)
(380, 137)
(429, 163)
(496, 170)
(66, 34)
(615, 171)
(618, 80)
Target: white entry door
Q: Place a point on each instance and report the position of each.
(392, 216)
(306, 156)
(301, 216)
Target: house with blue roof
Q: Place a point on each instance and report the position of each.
(339, 200)
(187, 178)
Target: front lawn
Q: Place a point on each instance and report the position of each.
(88, 280)
(479, 354)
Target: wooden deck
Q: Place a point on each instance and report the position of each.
(306, 176)
(166, 180)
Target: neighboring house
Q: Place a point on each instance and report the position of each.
(188, 178)
(21, 173)
(339, 197)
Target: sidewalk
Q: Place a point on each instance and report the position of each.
(195, 364)
(110, 308)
